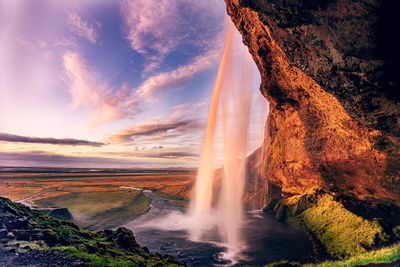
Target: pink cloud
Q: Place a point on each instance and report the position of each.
(181, 122)
(82, 28)
(177, 78)
(163, 26)
(155, 129)
(89, 91)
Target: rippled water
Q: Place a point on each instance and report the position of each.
(163, 229)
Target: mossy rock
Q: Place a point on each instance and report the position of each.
(98, 248)
(50, 237)
(126, 239)
(341, 232)
(61, 214)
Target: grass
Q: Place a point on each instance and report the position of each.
(342, 232)
(94, 259)
(16, 185)
(96, 200)
(100, 209)
(97, 248)
(384, 255)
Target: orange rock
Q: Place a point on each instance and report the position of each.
(313, 139)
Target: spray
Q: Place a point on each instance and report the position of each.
(235, 121)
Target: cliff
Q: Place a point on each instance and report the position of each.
(30, 238)
(328, 71)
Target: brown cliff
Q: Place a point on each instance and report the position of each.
(328, 73)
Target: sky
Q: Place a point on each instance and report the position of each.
(111, 84)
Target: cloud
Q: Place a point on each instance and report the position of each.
(45, 159)
(182, 121)
(177, 78)
(154, 130)
(48, 140)
(82, 28)
(88, 90)
(163, 26)
(172, 155)
(160, 155)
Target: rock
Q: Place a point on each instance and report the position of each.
(50, 237)
(125, 238)
(108, 232)
(10, 235)
(22, 234)
(17, 223)
(91, 249)
(37, 235)
(65, 239)
(3, 233)
(8, 209)
(328, 70)
(70, 224)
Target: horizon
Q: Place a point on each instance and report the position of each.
(106, 86)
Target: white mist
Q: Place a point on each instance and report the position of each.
(233, 90)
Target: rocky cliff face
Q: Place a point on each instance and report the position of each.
(328, 73)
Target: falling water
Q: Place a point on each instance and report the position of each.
(235, 120)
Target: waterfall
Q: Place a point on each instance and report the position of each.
(233, 90)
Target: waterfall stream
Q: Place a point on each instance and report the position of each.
(232, 91)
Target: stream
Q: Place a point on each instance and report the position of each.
(164, 229)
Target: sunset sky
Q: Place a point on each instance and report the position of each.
(113, 84)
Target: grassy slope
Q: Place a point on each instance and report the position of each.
(342, 233)
(100, 209)
(384, 255)
(100, 248)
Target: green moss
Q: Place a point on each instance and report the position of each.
(94, 259)
(100, 209)
(283, 263)
(61, 214)
(99, 248)
(385, 255)
(342, 233)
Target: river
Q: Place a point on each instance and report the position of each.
(164, 228)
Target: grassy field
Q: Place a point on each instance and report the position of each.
(96, 199)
